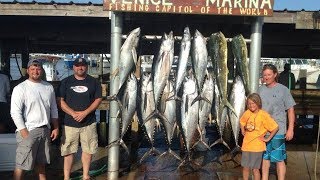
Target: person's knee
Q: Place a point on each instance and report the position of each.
(256, 171)
(281, 164)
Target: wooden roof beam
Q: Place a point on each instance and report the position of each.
(301, 19)
(52, 10)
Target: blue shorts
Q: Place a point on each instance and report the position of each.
(276, 149)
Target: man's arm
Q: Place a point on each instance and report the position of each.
(16, 111)
(291, 119)
(55, 131)
(82, 114)
(65, 108)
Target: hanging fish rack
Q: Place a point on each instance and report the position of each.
(176, 38)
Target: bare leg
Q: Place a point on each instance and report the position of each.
(18, 174)
(256, 174)
(265, 169)
(86, 160)
(41, 170)
(281, 170)
(67, 164)
(245, 173)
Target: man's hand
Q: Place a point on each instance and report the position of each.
(80, 115)
(54, 134)
(24, 133)
(289, 135)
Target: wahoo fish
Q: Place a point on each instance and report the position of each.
(238, 101)
(240, 52)
(199, 61)
(129, 102)
(127, 61)
(183, 58)
(161, 68)
(168, 109)
(146, 107)
(205, 107)
(189, 113)
(218, 52)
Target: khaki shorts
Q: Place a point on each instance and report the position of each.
(33, 149)
(71, 136)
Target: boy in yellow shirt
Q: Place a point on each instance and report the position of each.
(255, 123)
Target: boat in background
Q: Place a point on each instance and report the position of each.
(49, 62)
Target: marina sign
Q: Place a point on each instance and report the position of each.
(205, 7)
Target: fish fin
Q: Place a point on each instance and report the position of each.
(201, 139)
(187, 161)
(161, 155)
(174, 154)
(126, 100)
(134, 56)
(111, 97)
(145, 105)
(161, 116)
(227, 103)
(145, 155)
(163, 103)
(113, 143)
(118, 113)
(220, 141)
(170, 151)
(210, 119)
(171, 98)
(186, 104)
(158, 125)
(120, 104)
(151, 115)
(124, 146)
(115, 73)
(148, 153)
(236, 151)
(198, 98)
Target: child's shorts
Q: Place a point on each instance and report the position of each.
(251, 160)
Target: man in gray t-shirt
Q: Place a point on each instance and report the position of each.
(276, 101)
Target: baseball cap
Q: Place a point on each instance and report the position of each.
(34, 62)
(80, 61)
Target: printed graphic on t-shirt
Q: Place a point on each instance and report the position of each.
(79, 89)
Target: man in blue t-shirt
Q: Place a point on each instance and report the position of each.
(79, 96)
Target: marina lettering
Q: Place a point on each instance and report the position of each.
(222, 7)
(252, 12)
(240, 3)
(153, 2)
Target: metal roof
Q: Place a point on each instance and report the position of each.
(279, 5)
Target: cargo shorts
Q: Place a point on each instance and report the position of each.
(33, 149)
(71, 136)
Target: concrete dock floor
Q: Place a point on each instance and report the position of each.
(300, 166)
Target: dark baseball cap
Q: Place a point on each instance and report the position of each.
(35, 62)
(80, 61)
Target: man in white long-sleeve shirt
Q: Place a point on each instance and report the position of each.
(33, 108)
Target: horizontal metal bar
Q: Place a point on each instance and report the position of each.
(179, 38)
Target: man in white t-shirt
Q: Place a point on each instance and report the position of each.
(33, 108)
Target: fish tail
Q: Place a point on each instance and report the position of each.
(113, 143)
(220, 141)
(124, 146)
(148, 153)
